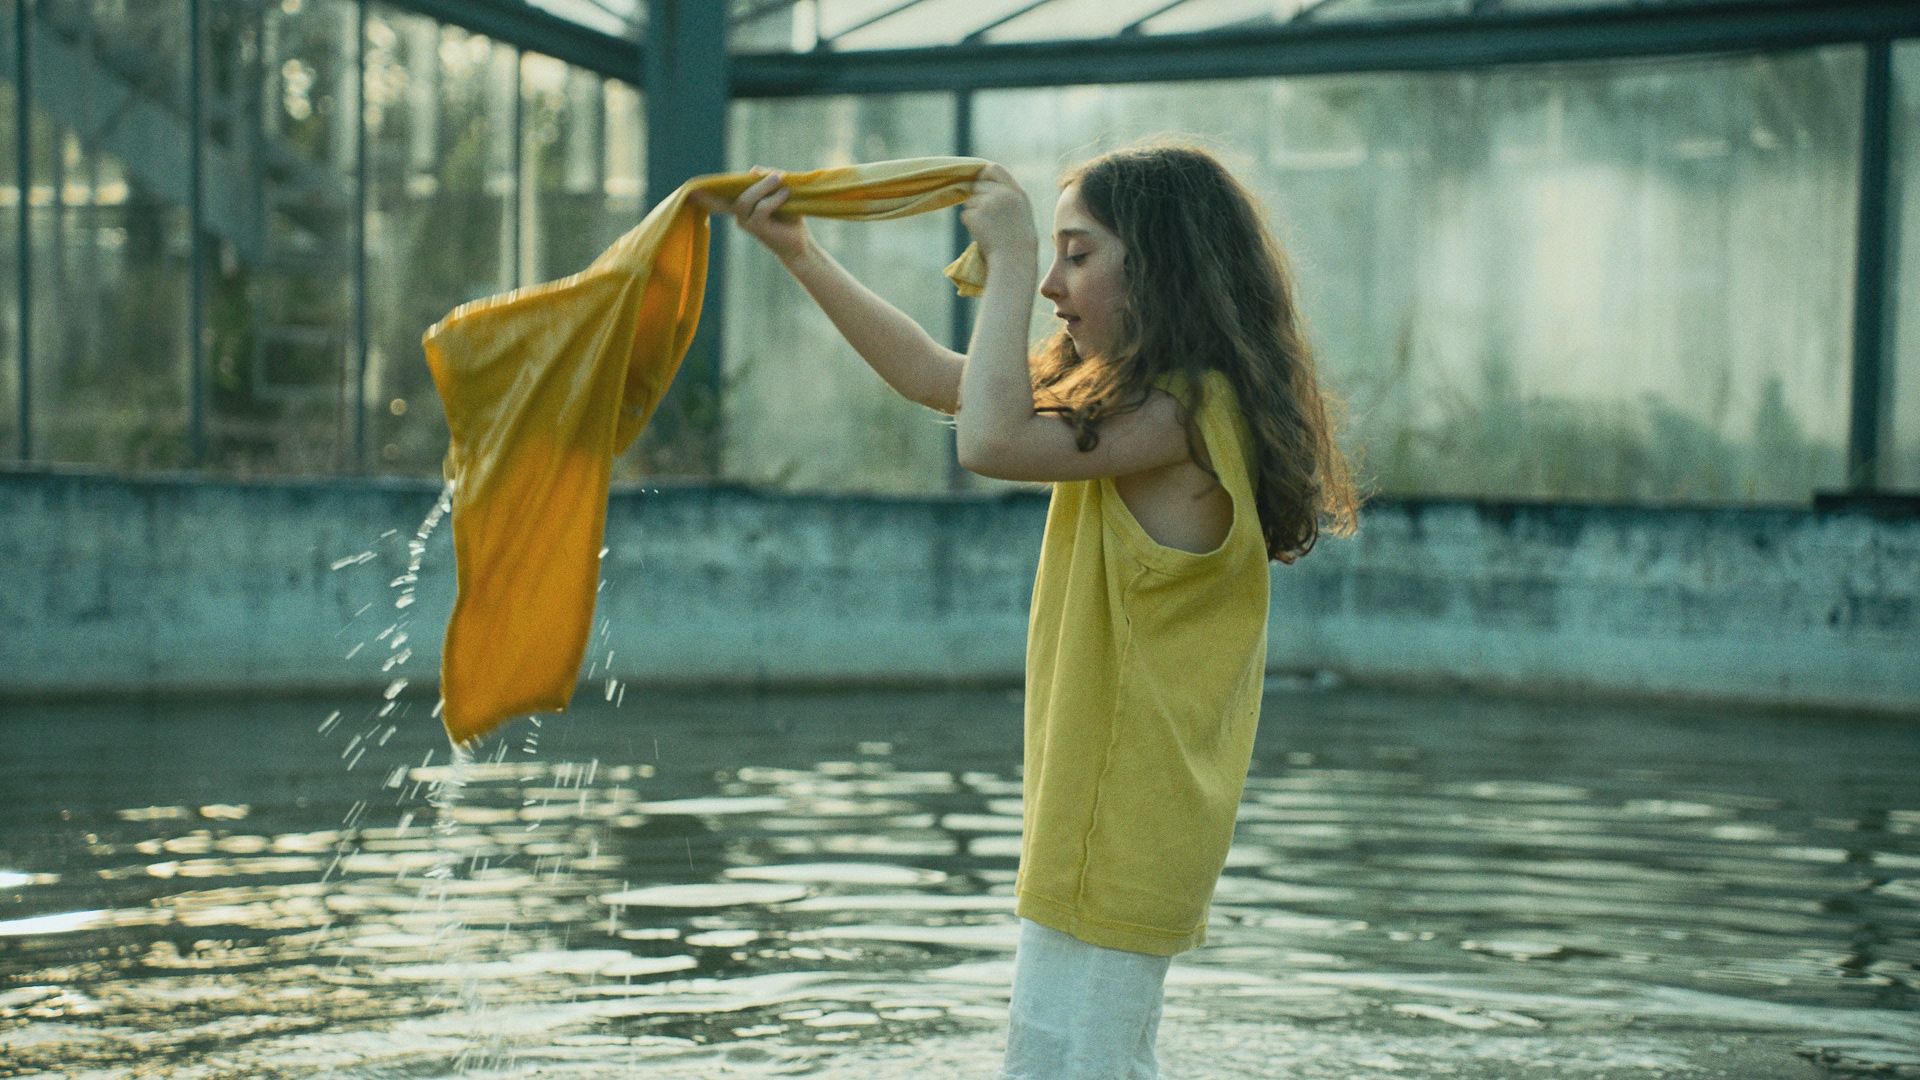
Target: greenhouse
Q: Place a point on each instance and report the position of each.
(567, 709)
(1646, 253)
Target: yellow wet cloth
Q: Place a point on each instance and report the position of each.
(1144, 670)
(543, 386)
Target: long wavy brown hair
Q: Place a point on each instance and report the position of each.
(1207, 289)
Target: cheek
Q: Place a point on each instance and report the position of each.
(1111, 292)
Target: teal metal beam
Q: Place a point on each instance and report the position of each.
(685, 73)
(1312, 48)
(1873, 242)
(524, 26)
(1299, 48)
(196, 237)
(23, 235)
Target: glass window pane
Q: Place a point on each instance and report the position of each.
(580, 168)
(109, 260)
(1900, 467)
(1619, 281)
(802, 410)
(280, 202)
(441, 183)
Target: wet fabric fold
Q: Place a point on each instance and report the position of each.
(544, 386)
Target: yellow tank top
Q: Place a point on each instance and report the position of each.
(1144, 670)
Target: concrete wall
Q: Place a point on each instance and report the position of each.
(189, 585)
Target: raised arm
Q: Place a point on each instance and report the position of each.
(917, 367)
(998, 433)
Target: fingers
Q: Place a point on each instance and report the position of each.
(748, 204)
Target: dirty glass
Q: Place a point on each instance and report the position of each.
(801, 409)
(441, 184)
(282, 298)
(488, 169)
(1900, 468)
(108, 265)
(1611, 281)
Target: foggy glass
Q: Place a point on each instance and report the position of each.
(488, 169)
(1609, 281)
(440, 223)
(109, 239)
(281, 300)
(1900, 441)
(801, 409)
(1613, 281)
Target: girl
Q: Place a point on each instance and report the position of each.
(1178, 417)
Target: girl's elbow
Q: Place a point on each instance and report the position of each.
(978, 454)
(968, 451)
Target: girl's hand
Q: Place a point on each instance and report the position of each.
(757, 211)
(999, 215)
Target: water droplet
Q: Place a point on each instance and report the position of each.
(394, 688)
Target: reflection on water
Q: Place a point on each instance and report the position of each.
(720, 885)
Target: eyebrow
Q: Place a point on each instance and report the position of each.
(1073, 232)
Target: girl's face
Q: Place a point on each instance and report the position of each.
(1087, 282)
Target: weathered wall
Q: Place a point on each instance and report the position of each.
(186, 585)
(1767, 606)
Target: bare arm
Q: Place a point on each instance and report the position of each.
(902, 353)
(998, 432)
(898, 349)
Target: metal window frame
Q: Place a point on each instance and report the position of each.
(1297, 48)
(1308, 47)
(1317, 48)
(1302, 47)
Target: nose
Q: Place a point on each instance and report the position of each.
(1053, 286)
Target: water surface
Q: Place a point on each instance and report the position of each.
(738, 885)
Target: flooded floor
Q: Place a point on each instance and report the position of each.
(718, 886)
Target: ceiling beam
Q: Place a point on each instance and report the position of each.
(516, 22)
(1285, 49)
(1325, 48)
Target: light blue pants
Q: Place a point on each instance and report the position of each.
(1080, 1011)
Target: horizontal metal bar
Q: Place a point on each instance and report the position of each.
(527, 27)
(1328, 48)
(1287, 49)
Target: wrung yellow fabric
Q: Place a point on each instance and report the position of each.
(543, 386)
